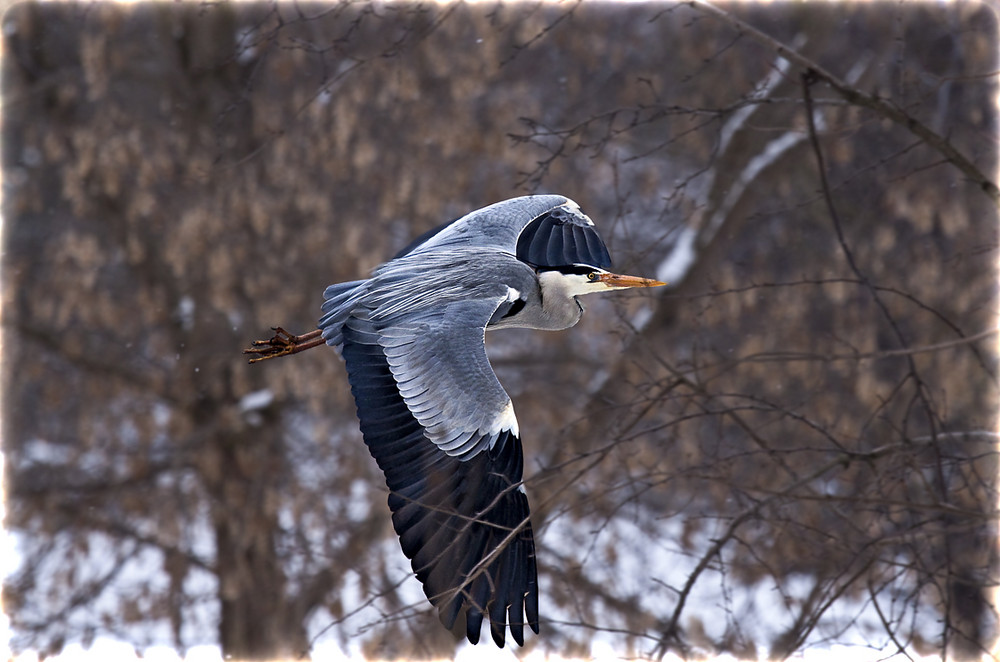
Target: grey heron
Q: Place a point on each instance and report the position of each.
(432, 412)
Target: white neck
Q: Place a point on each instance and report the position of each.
(560, 308)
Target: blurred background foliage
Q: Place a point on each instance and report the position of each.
(793, 446)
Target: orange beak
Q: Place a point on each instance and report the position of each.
(620, 282)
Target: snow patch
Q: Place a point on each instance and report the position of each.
(256, 400)
(682, 255)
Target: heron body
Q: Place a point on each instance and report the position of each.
(433, 413)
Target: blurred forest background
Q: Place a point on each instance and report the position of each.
(791, 447)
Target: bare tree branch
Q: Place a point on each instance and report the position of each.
(851, 94)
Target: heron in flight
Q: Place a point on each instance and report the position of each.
(433, 414)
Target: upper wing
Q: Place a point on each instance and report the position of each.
(496, 226)
(463, 522)
(541, 230)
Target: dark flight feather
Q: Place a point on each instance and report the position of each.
(561, 238)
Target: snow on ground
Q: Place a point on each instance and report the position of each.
(107, 650)
(647, 560)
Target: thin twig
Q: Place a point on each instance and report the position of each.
(670, 630)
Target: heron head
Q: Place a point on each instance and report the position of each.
(578, 279)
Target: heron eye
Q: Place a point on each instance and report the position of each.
(592, 276)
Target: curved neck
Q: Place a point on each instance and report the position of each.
(560, 308)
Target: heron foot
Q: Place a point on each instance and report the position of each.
(283, 343)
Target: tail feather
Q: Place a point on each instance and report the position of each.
(338, 302)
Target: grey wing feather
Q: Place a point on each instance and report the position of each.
(432, 331)
(438, 359)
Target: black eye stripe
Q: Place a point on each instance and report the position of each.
(578, 269)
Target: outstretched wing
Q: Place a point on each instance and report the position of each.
(462, 520)
(542, 230)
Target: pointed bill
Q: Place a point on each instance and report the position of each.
(621, 281)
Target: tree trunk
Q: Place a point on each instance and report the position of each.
(258, 619)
